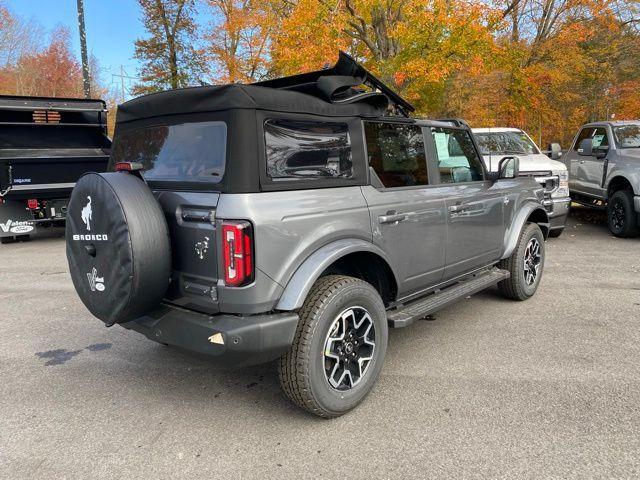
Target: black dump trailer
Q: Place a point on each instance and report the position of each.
(46, 144)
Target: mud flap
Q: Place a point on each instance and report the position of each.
(15, 219)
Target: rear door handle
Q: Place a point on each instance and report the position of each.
(459, 208)
(392, 217)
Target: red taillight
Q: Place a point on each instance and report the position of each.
(237, 246)
(123, 167)
(32, 204)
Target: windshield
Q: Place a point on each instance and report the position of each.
(183, 152)
(505, 143)
(627, 136)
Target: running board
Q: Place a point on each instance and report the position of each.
(406, 315)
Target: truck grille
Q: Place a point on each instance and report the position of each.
(548, 181)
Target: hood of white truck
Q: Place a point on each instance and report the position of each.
(536, 162)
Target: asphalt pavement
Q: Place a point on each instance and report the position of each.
(490, 388)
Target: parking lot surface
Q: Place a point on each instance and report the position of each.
(488, 388)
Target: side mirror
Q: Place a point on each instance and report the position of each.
(586, 148)
(556, 151)
(509, 167)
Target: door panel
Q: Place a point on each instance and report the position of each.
(408, 218)
(586, 171)
(410, 226)
(475, 226)
(474, 207)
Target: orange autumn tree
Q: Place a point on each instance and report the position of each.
(52, 72)
(559, 65)
(238, 40)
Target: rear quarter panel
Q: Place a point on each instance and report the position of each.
(288, 227)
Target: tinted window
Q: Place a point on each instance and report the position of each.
(396, 153)
(627, 136)
(307, 150)
(183, 152)
(597, 134)
(505, 143)
(458, 159)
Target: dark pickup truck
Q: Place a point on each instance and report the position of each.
(46, 144)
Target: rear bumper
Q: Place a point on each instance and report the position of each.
(558, 210)
(245, 340)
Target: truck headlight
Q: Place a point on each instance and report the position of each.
(563, 184)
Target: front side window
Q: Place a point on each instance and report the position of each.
(183, 152)
(299, 150)
(627, 136)
(598, 136)
(505, 143)
(396, 154)
(458, 159)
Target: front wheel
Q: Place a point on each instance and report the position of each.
(338, 349)
(621, 216)
(525, 264)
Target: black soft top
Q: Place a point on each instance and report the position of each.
(345, 90)
(237, 96)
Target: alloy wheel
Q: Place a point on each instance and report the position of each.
(532, 261)
(349, 348)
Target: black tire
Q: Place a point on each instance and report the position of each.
(118, 246)
(556, 232)
(622, 218)
(517, 286)
(303, 370)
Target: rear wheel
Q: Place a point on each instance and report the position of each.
(338, 349)
(621, 216)
(525, 264)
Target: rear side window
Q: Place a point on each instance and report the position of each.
(458, 159)
(299, 150)
(396, 154)
(183, 152)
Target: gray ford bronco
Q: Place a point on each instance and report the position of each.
(296, 220)
(604, 172)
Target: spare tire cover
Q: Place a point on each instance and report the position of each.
(118, 246)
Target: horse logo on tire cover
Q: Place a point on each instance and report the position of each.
(87, 214)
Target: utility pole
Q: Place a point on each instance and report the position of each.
(86, 82)
(122, 76)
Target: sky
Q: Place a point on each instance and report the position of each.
(112, 27)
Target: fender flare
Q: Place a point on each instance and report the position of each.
(615, 175)
(306, 275)
(512, 234)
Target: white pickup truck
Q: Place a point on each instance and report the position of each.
(496, 143)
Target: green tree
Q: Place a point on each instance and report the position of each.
(169, 56)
